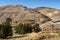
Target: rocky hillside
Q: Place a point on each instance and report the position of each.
(47, 18)
(16, 14)
(54, 15)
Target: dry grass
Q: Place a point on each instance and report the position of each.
(37, 36)
(42, 35)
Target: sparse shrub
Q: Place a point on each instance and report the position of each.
(8, 19)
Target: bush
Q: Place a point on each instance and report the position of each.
(36, 27)
(28, 28)
(20, 29)
(5, 30)
(23, 28)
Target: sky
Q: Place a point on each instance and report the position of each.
(32, 3)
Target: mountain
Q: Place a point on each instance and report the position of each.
(52, 13)
(47, 18)
(20, 14)
(16, 14)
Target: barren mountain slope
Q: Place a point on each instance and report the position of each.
(52, 13)
(47, 18)
(18, 13)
